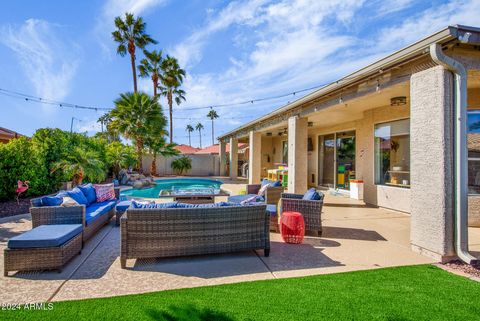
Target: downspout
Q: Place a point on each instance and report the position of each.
(460, 155)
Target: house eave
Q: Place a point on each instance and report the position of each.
(464, 34)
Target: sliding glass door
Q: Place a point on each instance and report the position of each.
(337, 160)
(328, 165)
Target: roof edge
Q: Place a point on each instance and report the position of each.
(442, 36)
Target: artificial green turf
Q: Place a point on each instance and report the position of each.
(405, 293)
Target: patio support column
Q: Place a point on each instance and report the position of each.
(431, 165)
(223, 158)
(233, 158)
(297, 155)
(255, 158)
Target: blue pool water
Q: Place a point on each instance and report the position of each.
(177, 186)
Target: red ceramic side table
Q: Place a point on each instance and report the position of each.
(292, 227)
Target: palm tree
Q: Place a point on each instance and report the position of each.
(171, 79)
(134, 115)
(110, 135)
(212, 114)
(120, 156)
(79, 164)
(155, 141)
(189, 129)
(150, 66)
(130, 34)
(199, 127)
(182, 164)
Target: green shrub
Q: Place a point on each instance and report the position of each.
(182, 164)
(18, 161)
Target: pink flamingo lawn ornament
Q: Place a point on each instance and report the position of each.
(21, 188)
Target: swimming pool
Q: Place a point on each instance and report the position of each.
(177, 186)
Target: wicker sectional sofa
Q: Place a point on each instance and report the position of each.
(46, 215)
(169, 232)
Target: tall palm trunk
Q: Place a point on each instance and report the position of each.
(189, 140)
(131, 51)
(200, 134)
(153, 167)
(139, 144)
(213, 134)
(170, 112)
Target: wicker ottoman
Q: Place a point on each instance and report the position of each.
(46, 247)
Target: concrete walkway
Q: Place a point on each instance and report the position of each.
(355, 237)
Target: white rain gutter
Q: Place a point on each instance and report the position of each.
(460, 155)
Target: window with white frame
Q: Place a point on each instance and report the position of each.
(473, 143)
(392, 153)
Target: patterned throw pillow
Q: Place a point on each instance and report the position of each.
(105, 192)
(68, 202)
(263, 189)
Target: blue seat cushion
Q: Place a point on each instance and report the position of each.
(240, 198)
(272, 209)
(95, 210)
(78, 196)
(52, 201)
(312, 195)
(45, 236)
(89, 192)
(122, 206)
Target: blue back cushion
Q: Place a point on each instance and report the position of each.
(89, 192)
(153, 205)
(52, 201)
(312, 195)
(78, 196)
(272, 183)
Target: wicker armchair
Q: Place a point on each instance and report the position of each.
(272, 194)
(169, 232)
(311, 210)
(46, 215)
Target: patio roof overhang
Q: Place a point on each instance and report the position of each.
(451, 34)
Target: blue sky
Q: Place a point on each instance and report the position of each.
(232, 51)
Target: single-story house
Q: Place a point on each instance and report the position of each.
(7, 135)
(186, 149)
(399, 125)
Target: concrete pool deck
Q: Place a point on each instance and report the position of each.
(356, 237)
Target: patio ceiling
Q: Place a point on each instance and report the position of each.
(349, 110)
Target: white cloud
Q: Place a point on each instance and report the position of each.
(113, 8)
(430, 21)
(290, 44)
(48, 61)
(88, 126)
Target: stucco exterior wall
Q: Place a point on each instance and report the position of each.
(202, 165)
(385, 196)
(432, 165)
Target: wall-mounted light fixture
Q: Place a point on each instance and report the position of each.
(398, 101)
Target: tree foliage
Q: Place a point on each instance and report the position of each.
(181, 165)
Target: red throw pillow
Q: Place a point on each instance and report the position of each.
(105, 192)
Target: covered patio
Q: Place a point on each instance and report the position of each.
(392, 126)
(356, 237)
